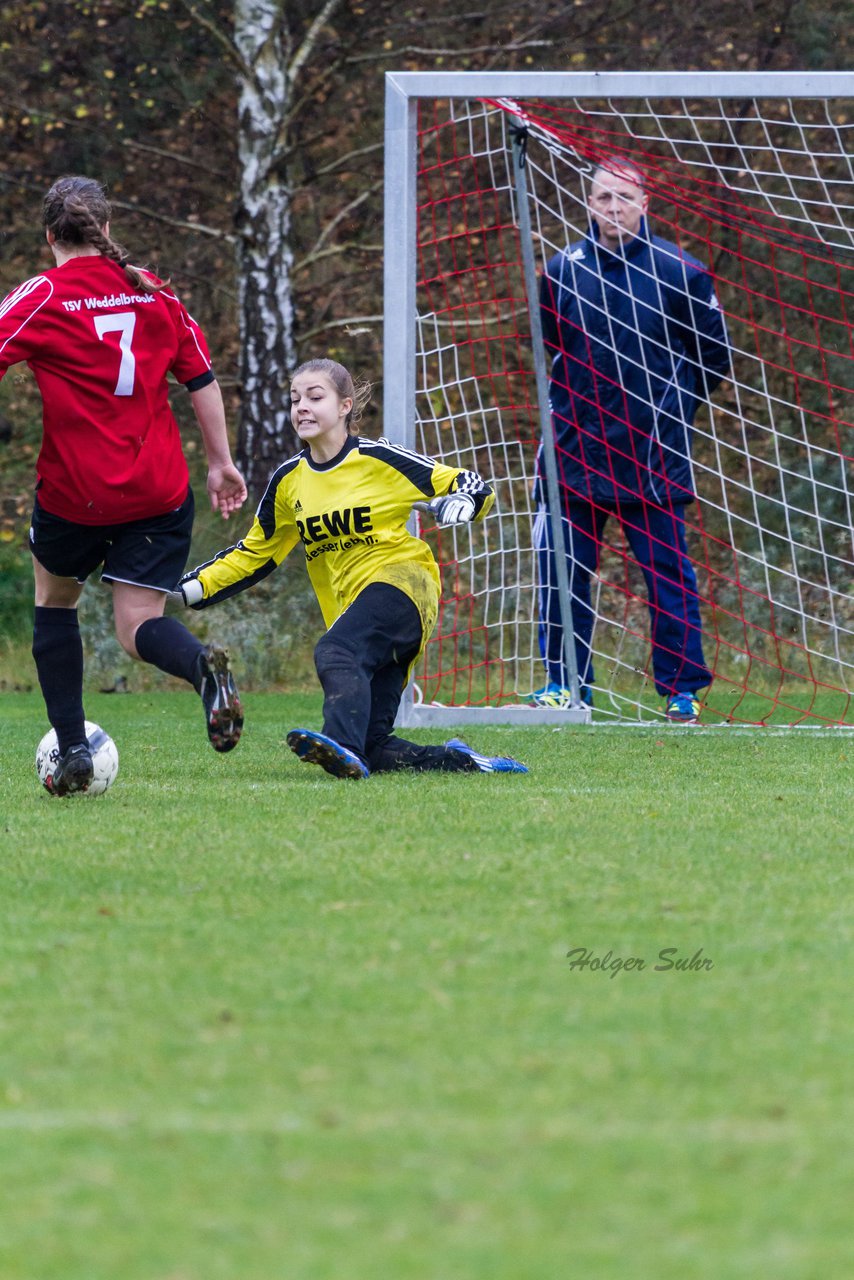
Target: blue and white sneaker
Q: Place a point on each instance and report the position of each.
(556, 695)
(487, 764)
(683, 708)
(316, 748)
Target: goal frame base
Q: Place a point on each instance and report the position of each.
(426, 715)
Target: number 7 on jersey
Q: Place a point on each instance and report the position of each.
(122, 323)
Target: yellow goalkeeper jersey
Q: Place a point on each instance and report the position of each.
(350, 515)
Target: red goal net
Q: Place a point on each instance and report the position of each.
(760, 194)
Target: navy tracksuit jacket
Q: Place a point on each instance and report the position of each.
(635, 340)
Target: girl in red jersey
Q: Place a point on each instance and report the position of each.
(112, 486)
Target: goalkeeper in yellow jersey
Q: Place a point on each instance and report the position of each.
(347, 500)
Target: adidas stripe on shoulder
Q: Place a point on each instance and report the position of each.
(266, 514)
(23, 303)
(25, 290)
(392, 446)
(417, 468)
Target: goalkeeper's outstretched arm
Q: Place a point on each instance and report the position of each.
(237, 568)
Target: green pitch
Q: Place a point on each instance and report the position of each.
(257, 1024)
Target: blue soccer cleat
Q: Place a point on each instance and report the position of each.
(316, 748)
(487, 764)
(682, 708)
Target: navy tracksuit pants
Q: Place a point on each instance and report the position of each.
(656, 536)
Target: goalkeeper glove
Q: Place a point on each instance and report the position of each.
(453, 508)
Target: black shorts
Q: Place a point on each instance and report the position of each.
(151, 552)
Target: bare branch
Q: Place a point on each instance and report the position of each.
(343, 213)
(346, 323)
(306, 141)
(171, 155)
(210, 280)
(22, 184)
(342, 161)
(38, 113)
(442, 18)
(307, 47)
(231, 50)
(184, 223)
(597, 23)
(335, 251)
(315, 85)
(513, 47)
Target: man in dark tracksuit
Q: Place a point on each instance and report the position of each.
(635, 338)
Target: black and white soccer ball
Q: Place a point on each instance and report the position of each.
(105, 758)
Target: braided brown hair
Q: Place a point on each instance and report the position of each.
(76, 212)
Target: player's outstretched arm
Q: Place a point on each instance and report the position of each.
(226, 486)
(230, 572)
(237, 568)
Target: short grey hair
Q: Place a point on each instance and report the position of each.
(620, 168)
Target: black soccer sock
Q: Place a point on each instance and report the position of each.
(58, 654)
(166, 643)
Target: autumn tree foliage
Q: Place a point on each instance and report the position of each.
(241, 142)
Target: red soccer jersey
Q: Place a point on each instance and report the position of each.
(100, 352)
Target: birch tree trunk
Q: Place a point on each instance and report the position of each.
(264, 252)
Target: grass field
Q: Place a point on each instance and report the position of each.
(259, 1024)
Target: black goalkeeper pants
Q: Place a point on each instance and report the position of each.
(362, 662)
